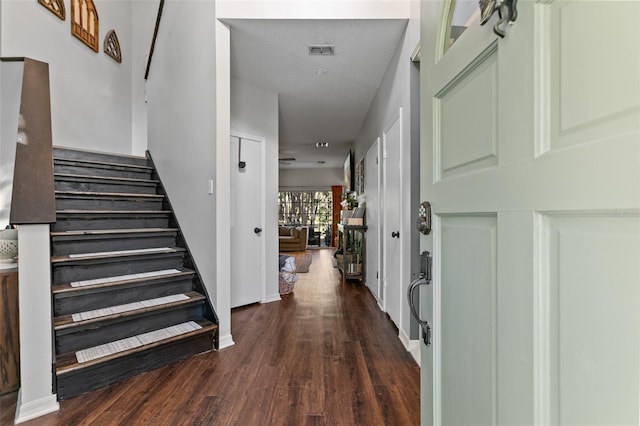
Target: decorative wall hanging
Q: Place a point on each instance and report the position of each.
(506, 11)
(84, 22)
(56, 7)
(112, 46)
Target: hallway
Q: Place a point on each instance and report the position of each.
(324, 355)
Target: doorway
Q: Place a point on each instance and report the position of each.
(391, 143)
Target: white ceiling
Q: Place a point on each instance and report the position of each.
(315, 105)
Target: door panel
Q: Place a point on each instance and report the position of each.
(246, 215)
(468, 322)
(465, 119)
(530, 156)
(594, 298)
(576, 115)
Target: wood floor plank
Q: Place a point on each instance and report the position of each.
(324, 355)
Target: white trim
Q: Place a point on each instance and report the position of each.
(415, 349)
(35, 313)
(541, 321)
(223, 178)
(374, 149)
(436, 337)
(225, 341)
(404, 338)
(415, 55)
(36, 408)
(272, 298)
(380, 227)
(542, 79)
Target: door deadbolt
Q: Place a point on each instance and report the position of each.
(424, 218)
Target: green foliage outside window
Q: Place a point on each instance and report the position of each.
(305, 208)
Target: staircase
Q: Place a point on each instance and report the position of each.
(127, 297)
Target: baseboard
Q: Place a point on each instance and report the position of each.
(404, 339)
(225, 341)
(32, 409)
(272, 298)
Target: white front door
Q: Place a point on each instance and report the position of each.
(391, 143)
(246, 221)
(373, 219)
(531, 161)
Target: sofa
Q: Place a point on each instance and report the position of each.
(292, 238)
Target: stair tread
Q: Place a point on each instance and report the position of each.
(115, 154)
(69, 362)
(63, 176)
(107, 212)
(80, 194)
(119, 281)
(113, 231)
(66, 321)
(122, 253)
(106, 164)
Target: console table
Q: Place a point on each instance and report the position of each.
(353, 251)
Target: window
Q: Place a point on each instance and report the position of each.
(462, 13)
(307, 208)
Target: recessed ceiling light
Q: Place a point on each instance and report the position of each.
(322, 144)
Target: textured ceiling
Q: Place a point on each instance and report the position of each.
(321, 98)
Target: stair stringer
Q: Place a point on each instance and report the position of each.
(181, 241)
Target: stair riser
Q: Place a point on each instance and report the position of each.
(71, 154)
(85, 380)
(62, 247)
(71, 340)
(101, 171)
(132, 222)
(66, 304)
(121, 188)
(85, 270)
(107, 204)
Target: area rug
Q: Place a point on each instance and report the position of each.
(303, 260)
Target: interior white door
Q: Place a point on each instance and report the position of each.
(374, 224)
(531, 160)
(246, 221)
(391, 142)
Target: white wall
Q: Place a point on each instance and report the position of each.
(316, 178)
(394, 92)
(90, 92)
(182, 106)
(143, 19)
(314, 9)
(254, 112)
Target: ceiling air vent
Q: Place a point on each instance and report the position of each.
(322, 49)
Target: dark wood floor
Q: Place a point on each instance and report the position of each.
(324, 355)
